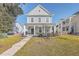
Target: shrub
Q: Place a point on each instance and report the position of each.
(40, 34)
(3, 35)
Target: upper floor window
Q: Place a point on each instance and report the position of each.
(47, 19)
(63, 28)
(39, 10)
(56, 25)
(67, 28)
(59, 25)
(63, 22)
(67, 21)
(39, 19)
(32, 20)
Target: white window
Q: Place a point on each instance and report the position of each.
(32, 20)
(67, 28)
(63, 22)
(63, 28)
(39, 19)
(39, 10)
(47, 19)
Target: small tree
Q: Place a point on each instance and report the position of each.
(3, 35)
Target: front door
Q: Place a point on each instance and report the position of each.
(40, 29)
(72, 30)
(32, 31)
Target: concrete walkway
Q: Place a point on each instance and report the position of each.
(17, 46)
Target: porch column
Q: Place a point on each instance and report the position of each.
(50, 29)
(24, 30)
(34, 30)
(61, 31)
(70, 24)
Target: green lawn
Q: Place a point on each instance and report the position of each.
(6, 43)
(59, 45)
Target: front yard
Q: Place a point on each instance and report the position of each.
(7, 42)
(59, 45)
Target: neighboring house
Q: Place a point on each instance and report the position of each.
(75, 23)
(69, 25)
(58, 28)
(18, 28)
(64, 26)
(39, 20)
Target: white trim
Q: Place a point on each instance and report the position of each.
(41, 8)
(34, 30)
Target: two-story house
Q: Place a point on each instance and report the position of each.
(64, 26)
(39, 20)
(69, 25)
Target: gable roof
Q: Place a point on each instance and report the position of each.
(76, 13)
(39, 10)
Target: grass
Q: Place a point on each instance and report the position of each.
(6, 43)
(66, 45)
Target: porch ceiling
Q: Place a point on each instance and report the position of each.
(32, 24)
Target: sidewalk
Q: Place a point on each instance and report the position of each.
(11, 51)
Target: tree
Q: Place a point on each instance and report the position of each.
(8, 13)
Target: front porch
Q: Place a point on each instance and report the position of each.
(35, 30)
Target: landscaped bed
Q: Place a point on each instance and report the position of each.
(7, 42)
(59, 45)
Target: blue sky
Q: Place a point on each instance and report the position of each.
(60, 10)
